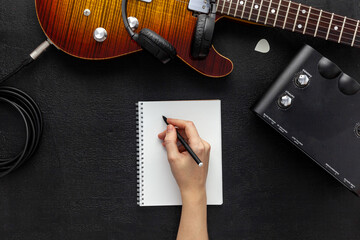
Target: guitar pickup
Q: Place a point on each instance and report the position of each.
(202, 6)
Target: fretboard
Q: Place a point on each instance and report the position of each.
(295, 17)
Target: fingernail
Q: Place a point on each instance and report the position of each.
(170, 128)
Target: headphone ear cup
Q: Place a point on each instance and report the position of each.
(203, 34)
(156, 45)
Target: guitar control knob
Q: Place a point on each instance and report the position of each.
(302, 80)
(100, 34)
(133, 22)
(285, 101)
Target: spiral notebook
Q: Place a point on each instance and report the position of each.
(156, 184)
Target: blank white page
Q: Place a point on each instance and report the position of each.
(157, 186)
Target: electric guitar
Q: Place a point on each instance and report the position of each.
(70, 25)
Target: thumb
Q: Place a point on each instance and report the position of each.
(170, 143)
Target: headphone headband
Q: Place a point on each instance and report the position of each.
(132, 34)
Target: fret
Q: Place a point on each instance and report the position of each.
(302, 18)
(296, 18)
(230, 6)
(355, 33)
(248, 9)
(280, 18)
(268, 11)
(236, 8)
(251, 10)
(217, 6)
(222, 10)
(277, 13)
(259, 13)
(342, 30)
(292, 16)
(255, 11)
(273, 10)
(233, 5)
(312, 21)
(287, 14)
(227, 7)
(331, 20)
(336, 28)
(324, 25)
(243, 11)
(307, 20)
(348, 31)
(318, 23)
(262, 15)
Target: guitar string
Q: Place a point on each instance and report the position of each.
(335, 35)
(280, 10)
(292, 8)
(331, 34)
(310, 18)
(310, 24)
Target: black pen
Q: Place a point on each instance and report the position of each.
(186, 146)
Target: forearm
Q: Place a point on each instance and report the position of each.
(193, 223)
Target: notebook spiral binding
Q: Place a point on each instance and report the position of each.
(140, 154)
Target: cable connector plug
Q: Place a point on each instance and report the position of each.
(33, 56)
(40, 49)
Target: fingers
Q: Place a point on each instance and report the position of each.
(206, 145)
(181, 131)
(180, 146)
(170, 143)
(189, 127)
(162, 135)
(188, 131)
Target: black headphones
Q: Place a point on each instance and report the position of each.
(203, 33)
(150, 40)
(162, 49)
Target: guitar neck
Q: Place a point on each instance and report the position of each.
(295, 17)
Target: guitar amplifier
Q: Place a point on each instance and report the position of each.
(317, 108)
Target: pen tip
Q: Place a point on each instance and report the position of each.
(165, 119)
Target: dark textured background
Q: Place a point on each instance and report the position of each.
(81, 184)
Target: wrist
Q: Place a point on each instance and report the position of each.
(197, 197)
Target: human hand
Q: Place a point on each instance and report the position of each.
(189, 176)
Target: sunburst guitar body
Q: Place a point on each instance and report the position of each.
(67, 26)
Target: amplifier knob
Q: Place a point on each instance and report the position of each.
(100, 34)
(285, 101)
(303, 80)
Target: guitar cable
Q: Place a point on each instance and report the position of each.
(29, 112)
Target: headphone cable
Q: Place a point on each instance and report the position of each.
(29, 112)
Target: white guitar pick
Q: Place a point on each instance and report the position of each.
(262, 46)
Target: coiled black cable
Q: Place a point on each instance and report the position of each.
(31, 115)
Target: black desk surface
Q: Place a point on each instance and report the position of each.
(81, 184)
